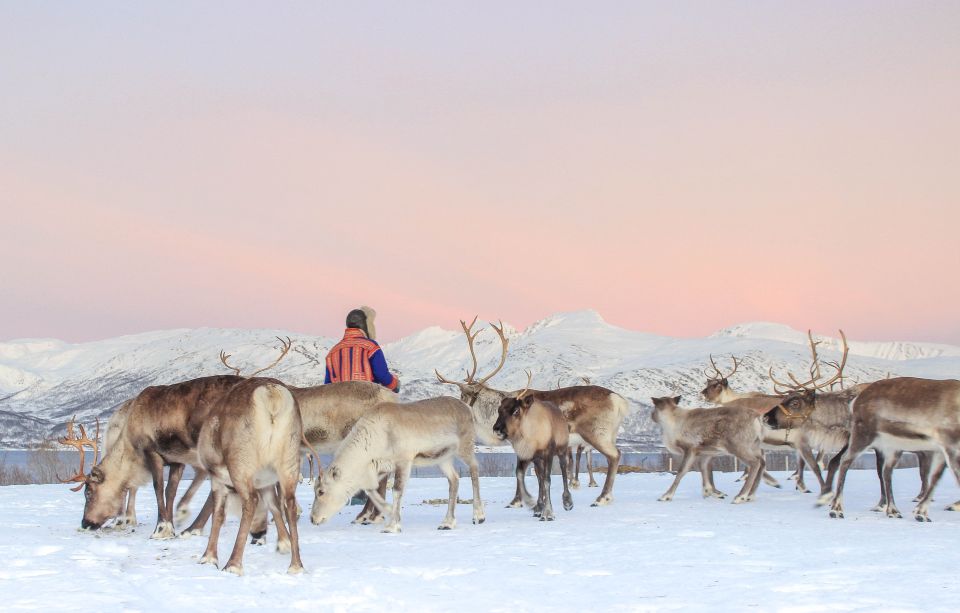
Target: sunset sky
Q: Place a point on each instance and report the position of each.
(679, 167)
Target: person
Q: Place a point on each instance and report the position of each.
(358, 356)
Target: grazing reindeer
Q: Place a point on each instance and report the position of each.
(250, 445)
(710, 432)
(538, 432)
(903, 414)
(162, 425)
(392, 438)
(128, 513)
(162, 428)
(593, 414)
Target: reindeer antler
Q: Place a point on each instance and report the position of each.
(526, 389)
(285, 345)
(812, 384)
(719, 374)
(471, 337)
(71, 440)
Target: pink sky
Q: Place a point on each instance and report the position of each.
(677, 168)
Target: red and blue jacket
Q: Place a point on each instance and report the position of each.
(358, 358)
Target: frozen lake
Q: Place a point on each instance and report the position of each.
(776, 554)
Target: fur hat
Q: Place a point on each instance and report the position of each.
(363, 318)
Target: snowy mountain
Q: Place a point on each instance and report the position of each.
(44, 382)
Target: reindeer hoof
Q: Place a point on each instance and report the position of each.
(234, 569)
(295, 570)
(209, 560)
(836, 514)
(567, 504)
(514, 504)
(593, 484)
(479, 519)
(894, 515)
(602, 501)
(954, 507)
(183, 514)
(283, 547)
(164, 531)
(663, 498)
(546, 518)
(258, 538)
(574, 485)
(393, 529)
(920, 517)
(189, 533)
(823, 499)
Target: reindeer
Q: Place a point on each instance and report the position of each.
(392, 438)
(718, 391)
(578, 443)
(538, 432)
(707, 433)
(162, 428)
(128, 514)
(593, 414)
(903, 414)
(250, 445)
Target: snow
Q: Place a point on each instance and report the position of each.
(776, 554)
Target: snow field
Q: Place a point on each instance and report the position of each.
(638, 554)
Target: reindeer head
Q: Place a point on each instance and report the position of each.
(799, 398)
(511, 412)
(337, 485)
(102, 498)
(664, 404)
(717, 381)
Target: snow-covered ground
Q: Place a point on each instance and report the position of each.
(776, 554)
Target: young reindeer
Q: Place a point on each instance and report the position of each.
(538, 432)
(250, 445)
(393, 438)
(593, 414)
(710, 432)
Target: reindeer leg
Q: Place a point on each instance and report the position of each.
(888, 466)
(400, 478)
(593, 482)
(755, 466)
(288, 498)
(370, 514)
(470, 459)
(881, 460)
(931, 464)
(806, 455)
(164, 529)
(522, 497)
(453, 479)
(706, 475)
(575, 477)
(217, 504)
(859, 441)
(609, 449)
(564, 470)
(920, 512)
(173, 482)
(270, 496)
(546, 467)
(826, 490)
(196, 528)
(249, 499)
(183, 507)
(538, 470)
(685, 465)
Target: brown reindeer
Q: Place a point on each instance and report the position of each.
(704, 433)
(903, 414)
(538, 432)
(250, 445)
(593, 413)
(162, 428)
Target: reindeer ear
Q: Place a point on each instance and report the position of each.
(96, 475)
(676, 399)
(335, 473)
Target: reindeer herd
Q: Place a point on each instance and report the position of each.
(249, 433)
